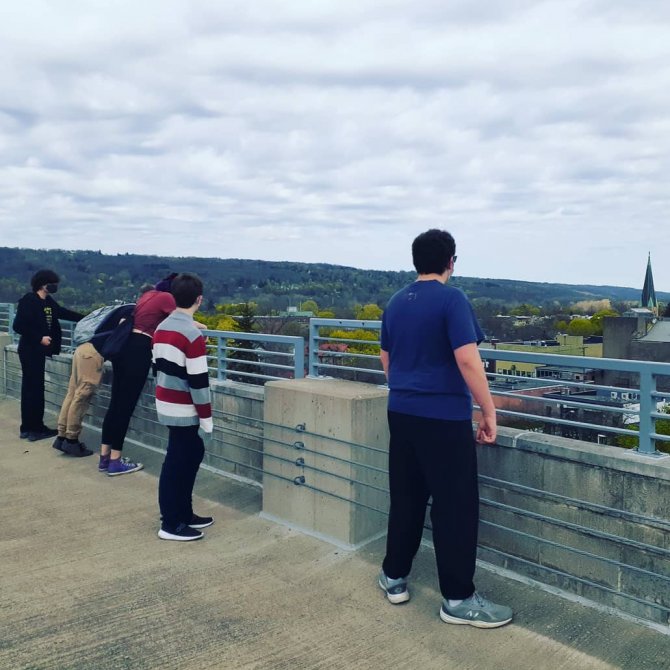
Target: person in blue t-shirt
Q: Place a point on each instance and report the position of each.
(429, 353)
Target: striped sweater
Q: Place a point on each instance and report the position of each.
(182, 379)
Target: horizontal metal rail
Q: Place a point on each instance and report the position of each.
(573, 414)
(601, 414)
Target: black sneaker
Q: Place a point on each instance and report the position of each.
(24, 434)
(58, 443)
(200, 521)
(77, 449)
(42, 434)
(182, 533)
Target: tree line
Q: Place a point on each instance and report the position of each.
(90, 279)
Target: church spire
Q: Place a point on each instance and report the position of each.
(648, 292)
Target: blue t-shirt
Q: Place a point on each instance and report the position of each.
(422, 325)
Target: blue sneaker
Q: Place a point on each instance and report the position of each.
(103, 463)
(476, 611)
(396, 589)
(122, 466)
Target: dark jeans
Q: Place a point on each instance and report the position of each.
(130, 374)
(432, 457)
(32, 388)
(185, 451)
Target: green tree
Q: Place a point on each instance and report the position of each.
(361, 335)
(244, 358)
(309, 306)
(662, 428)
(525, 309)
(369, 312)
(582, 327)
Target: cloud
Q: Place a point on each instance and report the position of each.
(336, 131)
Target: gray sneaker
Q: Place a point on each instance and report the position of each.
(476, 611)
(396, 589)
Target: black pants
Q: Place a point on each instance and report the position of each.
(32, 388)
(185, 451)
(130, 374)
(432, 457)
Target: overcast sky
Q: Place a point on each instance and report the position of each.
(538, 133)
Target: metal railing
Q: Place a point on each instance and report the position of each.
(585, 409)
(7, 311)
(591, 409)
(328, 354)
(254, 357)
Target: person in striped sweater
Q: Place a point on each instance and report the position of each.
(183, 405)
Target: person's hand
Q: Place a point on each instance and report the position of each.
(202, 326)
(487, 429)
(206, 437)
(45, 341)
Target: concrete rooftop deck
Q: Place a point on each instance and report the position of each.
(85, 583)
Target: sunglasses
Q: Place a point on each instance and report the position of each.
(454, 258)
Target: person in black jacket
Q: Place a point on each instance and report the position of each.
(36, 322)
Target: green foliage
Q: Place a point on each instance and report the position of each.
(237, 308)
(362, 335)
(368, 312)
(217, 321)
(93, 278)
(662, 428)
(525, 310)
(582, 327)
(309, 306)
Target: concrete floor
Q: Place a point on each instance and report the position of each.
(85, 583)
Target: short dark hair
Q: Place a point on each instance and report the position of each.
(186, 288)
(42, 277)
(432, 251)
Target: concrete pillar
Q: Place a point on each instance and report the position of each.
(333, 434)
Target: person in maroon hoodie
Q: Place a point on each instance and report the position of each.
(130, 370)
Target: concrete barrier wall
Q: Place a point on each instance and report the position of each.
(237, 447)
(325, 458)
(588, 519)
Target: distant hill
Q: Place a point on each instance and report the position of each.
(90, 278)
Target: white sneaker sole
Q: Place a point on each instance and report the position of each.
(139, 467)
(164, 535)
(395, 599)
(472, 622)
(198, 526)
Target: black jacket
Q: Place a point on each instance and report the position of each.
(31, 323)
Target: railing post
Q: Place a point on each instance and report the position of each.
(313, 349)
(299, 359)
(10, 321)
(221, 356)
(647, 406)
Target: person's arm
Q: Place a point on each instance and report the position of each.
(197, 375)
(67, 314)
(384, 357)
(470, 364)
(30, 323)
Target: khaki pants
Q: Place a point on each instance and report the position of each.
(85, 378)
